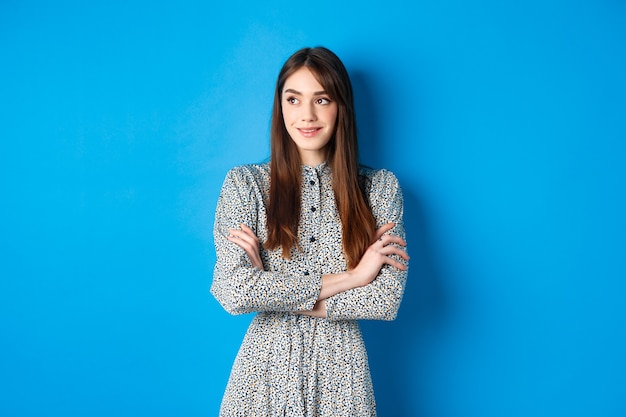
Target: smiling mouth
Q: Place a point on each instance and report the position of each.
(309, 132)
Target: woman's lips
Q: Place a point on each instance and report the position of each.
(309, 132)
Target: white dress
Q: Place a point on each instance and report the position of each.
(290, 364)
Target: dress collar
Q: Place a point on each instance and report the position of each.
(320, 169)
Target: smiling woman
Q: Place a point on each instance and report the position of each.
(309, 115)
(311, 242)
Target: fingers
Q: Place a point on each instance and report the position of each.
(382, 230)
(246, 229)
(396, 264)
(388, 239)
(244, 238)
(393, 250)
(245, 234)
(247, 240)
(388, 245)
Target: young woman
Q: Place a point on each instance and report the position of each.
(312, 242)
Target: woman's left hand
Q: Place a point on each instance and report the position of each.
(247, 240)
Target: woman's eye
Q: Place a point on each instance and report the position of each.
(323, 100)
(292, 100)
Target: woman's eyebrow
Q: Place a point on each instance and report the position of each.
(292, 91)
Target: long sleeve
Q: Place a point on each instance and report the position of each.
(380, 300)
(239, 287)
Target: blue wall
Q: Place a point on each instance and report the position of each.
(504, 121)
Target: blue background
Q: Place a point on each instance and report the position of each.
(504, 121)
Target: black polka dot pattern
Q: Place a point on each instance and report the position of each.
(291, 364)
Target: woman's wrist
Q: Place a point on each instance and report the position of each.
(319, 310)
(333, 284)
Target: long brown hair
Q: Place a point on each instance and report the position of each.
(283, 212)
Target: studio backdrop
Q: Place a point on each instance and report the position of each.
(505, 123)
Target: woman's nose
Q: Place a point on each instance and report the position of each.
(308, 113)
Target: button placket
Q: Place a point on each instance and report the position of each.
(311, 204)
(314, 212)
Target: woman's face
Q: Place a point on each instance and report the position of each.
(309, 115)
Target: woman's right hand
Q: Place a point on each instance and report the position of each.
(247, 240)
(378, 254)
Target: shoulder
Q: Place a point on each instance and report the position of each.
(250, 171)
(384, 195)
(241, 196)
(376, 179)
(248, 174)
(246, 178)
